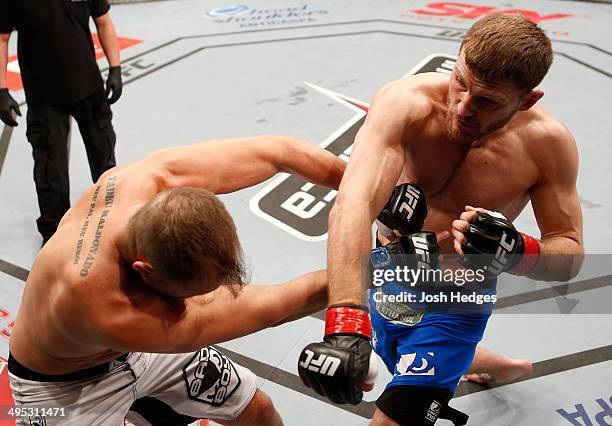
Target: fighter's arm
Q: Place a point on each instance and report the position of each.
(375, 165)
(557, 255)
(223, 166)
(556, 206)
(152, 324)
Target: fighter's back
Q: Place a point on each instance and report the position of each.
(76, 272)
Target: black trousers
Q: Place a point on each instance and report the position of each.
(47, 132)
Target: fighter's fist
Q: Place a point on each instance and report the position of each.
(489, 241)
(405, 211)
(338, 366)
(423, 245)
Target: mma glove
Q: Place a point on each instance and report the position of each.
(114, 84)
(415, 251)
(422, 246)
(405, 211)
(494, 245)
(337, 367)
(7, 106)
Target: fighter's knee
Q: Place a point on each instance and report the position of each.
(381, 419)
(264, 412)
(260, 411)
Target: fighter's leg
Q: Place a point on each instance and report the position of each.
(381, 419)
(429, 355)
(151, 411)
(489, 367)
(415, 406)
(260, 411)
(204, 384)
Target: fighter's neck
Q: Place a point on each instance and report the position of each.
(126, 250)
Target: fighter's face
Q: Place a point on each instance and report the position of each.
(475, 107)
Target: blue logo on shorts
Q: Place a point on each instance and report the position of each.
(416, 364)
(227, 10)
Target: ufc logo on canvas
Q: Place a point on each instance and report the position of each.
(408, 206)
(325, 364)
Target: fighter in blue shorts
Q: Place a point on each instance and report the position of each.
(471, 138)
(427, 342)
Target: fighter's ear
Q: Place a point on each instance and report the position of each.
(143, 267)
(530, 99)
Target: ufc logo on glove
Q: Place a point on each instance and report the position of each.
(325, 364)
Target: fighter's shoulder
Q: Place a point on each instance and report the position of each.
(415, 94)
(551, 142)
(550, 131)
(137, 181)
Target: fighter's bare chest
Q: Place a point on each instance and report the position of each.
(493, 175)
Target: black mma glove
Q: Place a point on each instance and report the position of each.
(415, 251)
(114, 84)
(422, 245)
(7, 106)
(406, 209)
(338, 366)
(494, 245)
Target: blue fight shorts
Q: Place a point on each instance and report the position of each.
(424, 348)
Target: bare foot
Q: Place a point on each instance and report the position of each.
(516, 369)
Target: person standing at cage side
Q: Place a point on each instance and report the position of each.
(61, 79)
